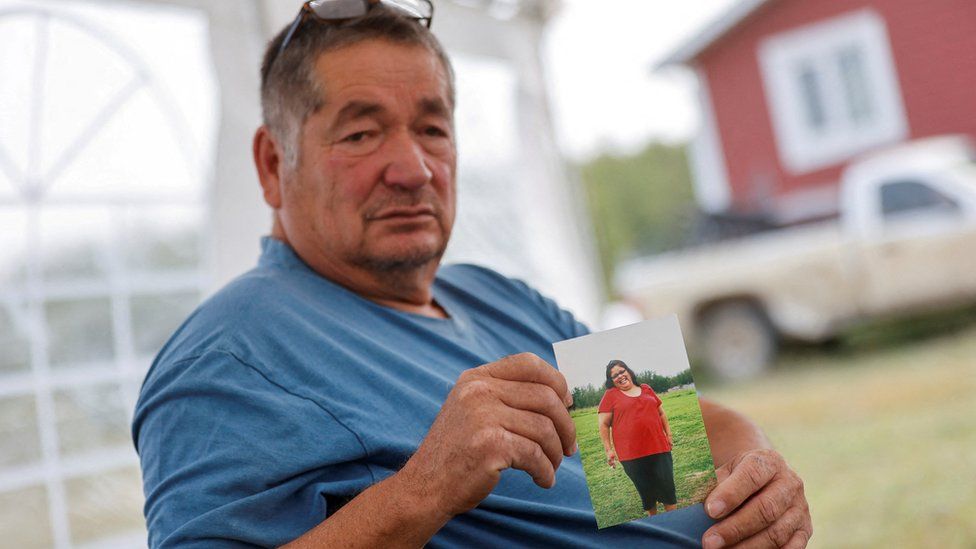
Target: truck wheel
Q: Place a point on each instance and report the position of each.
(738, 341)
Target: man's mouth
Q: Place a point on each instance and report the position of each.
(403, 213)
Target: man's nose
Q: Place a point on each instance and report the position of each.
(407, 163)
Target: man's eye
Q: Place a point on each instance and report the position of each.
(434, 131)
(355, 137)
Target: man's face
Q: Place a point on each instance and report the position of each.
(374, 185)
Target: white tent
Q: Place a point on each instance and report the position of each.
(127, 193)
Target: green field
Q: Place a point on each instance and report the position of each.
(614, 498)
(883, 436)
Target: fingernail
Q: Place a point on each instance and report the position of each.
(568, 400)
(716, 508)
(713, 541)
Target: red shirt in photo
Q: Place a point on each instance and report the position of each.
(636, 426)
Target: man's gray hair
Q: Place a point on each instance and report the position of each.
(290, 91)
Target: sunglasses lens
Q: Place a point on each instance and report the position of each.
(349, 9)
(338, 9)
(413, 8)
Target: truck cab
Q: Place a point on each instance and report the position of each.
(911, 214)
(905, 242)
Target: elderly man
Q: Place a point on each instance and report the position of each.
(350, 391)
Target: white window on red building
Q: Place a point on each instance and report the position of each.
(833, 90)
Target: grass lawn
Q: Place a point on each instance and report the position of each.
(614, 498)
(884, 438)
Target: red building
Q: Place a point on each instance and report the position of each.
(793, 90)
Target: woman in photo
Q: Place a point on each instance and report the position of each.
(635, 432)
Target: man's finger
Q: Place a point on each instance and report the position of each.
(747, 476)
(540, 399)
(759, 514)
(531, 368)
(528, 456)
(535, 427)
(799, 540)
(778, 534)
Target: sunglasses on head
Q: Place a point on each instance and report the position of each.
(337, 11)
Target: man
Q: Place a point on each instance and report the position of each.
(333, 395)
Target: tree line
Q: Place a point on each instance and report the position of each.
(584, 397)
(639, 203)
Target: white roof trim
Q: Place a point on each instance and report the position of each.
(711, 32)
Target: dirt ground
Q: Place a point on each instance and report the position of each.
(884, 438)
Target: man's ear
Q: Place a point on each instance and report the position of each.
(269, 159)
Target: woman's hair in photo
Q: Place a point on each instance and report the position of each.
(609, 382)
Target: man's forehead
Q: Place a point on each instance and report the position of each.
(361, 108)
(353, 76)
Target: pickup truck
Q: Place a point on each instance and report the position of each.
(904, 242)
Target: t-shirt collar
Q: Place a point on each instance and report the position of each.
(275, 253)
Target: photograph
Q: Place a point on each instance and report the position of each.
(638, 422)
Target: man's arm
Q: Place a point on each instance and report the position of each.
(759, 498)
(730, 433)
(391, 513)
(511, 413)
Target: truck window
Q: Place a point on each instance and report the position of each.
(901, 197)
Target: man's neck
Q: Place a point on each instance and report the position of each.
(431, 309)
(409, 291)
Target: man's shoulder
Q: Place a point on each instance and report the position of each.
(510, 298)
(472, 277)
(237, 312)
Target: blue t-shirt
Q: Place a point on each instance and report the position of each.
(285, 395)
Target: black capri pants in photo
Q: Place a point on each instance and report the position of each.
(653, 476)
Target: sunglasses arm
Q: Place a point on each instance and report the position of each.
(299, 19)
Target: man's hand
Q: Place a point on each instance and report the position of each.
(761, 503)
(509, 413)
(612, 458)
